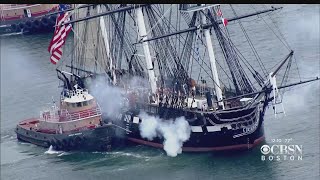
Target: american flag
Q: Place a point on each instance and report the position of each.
(224, 20)
(59, 36)
(219, 13)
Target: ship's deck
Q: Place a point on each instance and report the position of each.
(31, 125)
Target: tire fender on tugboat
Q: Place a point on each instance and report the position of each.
(53, 143)
(14, 27)
(44, 22)
(52, 20)
(78, 141)
(27, 27)
(28, 24)
(59, 145)
(21, 25)
(72, 142)
(66, 144)
(36, 24)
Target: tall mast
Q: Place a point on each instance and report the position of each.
(212, 59)
(143, 35)
(106, 43)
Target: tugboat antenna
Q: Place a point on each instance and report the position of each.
(53, 101)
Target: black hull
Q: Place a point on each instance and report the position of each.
(203, 142)
(98, 139)
(244, 133)
(34, 25)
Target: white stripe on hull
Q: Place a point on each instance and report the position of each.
(196, 129)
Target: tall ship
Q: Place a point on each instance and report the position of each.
(175, 76)
(27, 18)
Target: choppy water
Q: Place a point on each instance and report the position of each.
(28, 81)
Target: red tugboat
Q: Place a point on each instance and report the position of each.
(27, 18)
(77, 124)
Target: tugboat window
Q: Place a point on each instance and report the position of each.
(85, 103)
(79, 104)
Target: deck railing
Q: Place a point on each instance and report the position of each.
(16, 6)
(85, 114)
(62, 116)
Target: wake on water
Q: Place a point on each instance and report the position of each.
(52, 151)
(11, 34)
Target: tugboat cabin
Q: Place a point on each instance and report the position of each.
(78, 111)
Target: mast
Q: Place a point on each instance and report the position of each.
(143, 35)
(209, 25)
(212, 59)
(106, 43)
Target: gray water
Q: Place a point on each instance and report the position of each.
(28, 82)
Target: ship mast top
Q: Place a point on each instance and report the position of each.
(147, 54)
(211, 53)
(162, 45)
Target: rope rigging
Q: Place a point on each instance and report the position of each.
(165, 47)
(251, 44)
(282, 39)
(125, 45)
(241, 83)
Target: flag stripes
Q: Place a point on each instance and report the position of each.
(59, 37)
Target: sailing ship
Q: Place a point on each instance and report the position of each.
(219, 95)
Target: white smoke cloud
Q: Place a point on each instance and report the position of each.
(110, 98)
(148, 128)
(113, 101)
(174, 132)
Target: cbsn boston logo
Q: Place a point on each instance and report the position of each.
(281, 152)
